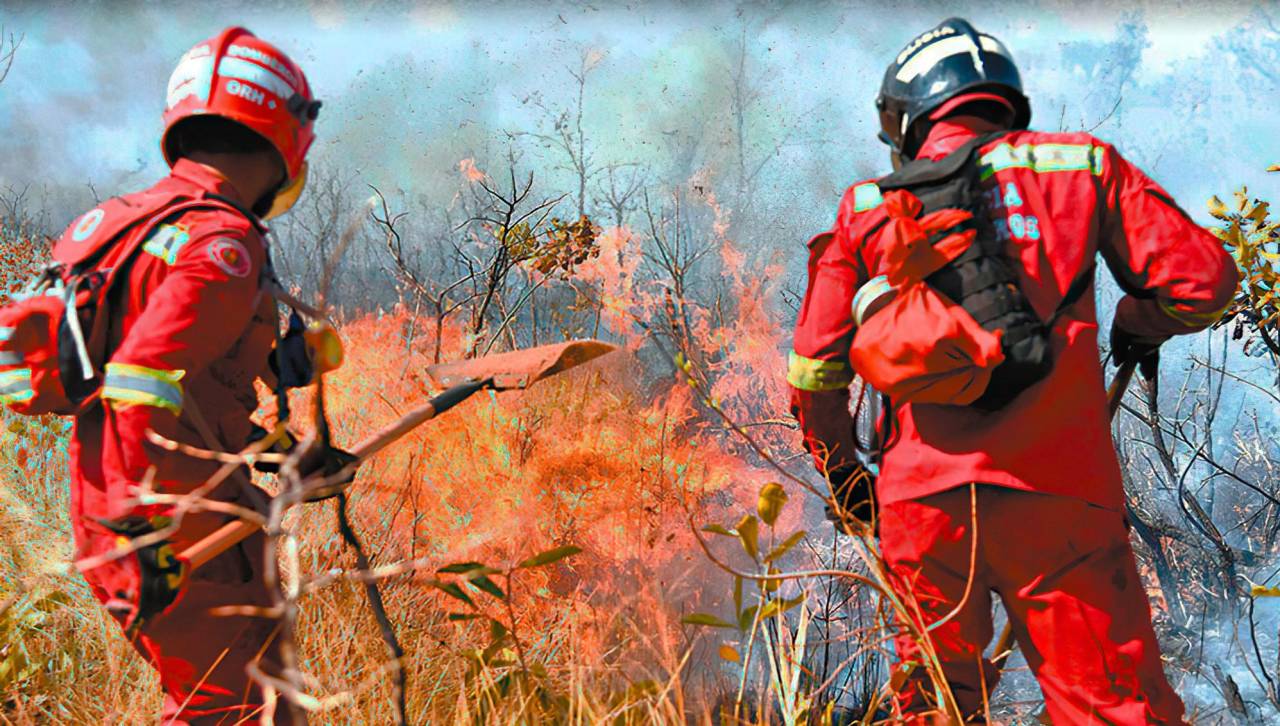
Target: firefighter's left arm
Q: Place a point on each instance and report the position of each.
(1179, 276)
(818, 368)
(192, 318)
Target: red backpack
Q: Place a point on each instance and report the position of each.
(53, 334)
(945, 320)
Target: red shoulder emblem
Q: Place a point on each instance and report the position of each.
(231, 257)
(88, 225)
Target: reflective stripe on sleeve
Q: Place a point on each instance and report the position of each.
(128, 383)
(1192, 319)
(6, 333)
(868, 294)
(866, 196)
(15, 386)
(10, 358)
(809, 374)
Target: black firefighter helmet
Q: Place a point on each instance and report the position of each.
(947, 62)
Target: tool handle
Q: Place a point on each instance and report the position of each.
(1119, 384)
(236, 531)
(417, 417)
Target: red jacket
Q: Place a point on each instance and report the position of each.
(192, 330)
(1063, 198)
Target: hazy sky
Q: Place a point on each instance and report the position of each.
(410, 89)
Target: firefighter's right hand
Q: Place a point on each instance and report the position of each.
(317, 462)
(853, 489)
(1127, 347)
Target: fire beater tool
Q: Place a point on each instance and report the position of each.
(500, 372)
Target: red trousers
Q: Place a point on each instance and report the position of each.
(201, 657)
(1066, 575)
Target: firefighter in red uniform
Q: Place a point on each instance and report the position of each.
(1041, 473)
(191, 328)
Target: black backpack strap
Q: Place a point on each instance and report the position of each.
(928, 171)
(243, 210)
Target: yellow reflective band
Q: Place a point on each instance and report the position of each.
(15, 386)
(1044, 158)
(133, 384)
(155, 374)
(866, 196)
(868, 294)
(809, 374)
(1192, 319)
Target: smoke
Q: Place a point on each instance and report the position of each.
(410, 90)
(764, 108)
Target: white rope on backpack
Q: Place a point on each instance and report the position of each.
(73, 324)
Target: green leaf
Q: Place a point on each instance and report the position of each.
(746, 617)
(774, 607)
(452, 590)
(492, 650)
(717, 529)
(461, 617)
(737, 594)
(706, 619)
(497, 631)
(459, 568)
(772, 585)
(546, 558)
(785, 547)
(749, 532)
(483, 583)
(770, 502)
(1217, 208)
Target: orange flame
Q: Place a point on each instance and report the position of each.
(594, 457)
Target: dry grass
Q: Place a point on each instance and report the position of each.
(62, 660)
(497, 481)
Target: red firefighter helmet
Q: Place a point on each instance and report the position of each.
(240, 77)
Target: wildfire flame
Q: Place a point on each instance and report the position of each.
(613, 458)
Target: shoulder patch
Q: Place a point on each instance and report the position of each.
(230, 256)
(166, 241)
(866, 196)
(87, 225)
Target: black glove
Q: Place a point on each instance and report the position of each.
(160, 573)
(1129, 348)
(333, 461)
(328, 463)
(853, 488)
